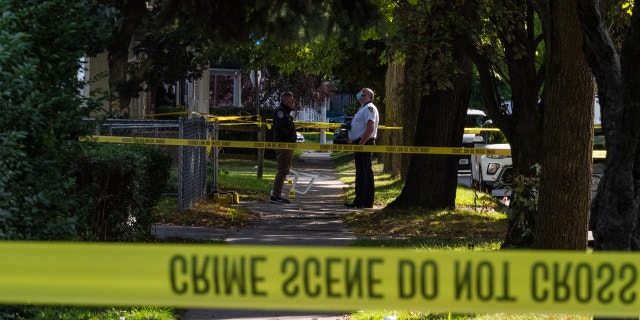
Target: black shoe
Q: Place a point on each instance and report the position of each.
(279, 200)
(352, 205)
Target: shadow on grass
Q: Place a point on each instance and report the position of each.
(450, 226)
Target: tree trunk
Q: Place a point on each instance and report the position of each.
(561, 221)
(614, 212)
(431, 181)
(412, 102)
(522, 122)
(118, 52)
(394, 116)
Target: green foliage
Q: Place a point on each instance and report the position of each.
(278, 21)
(42, 112)
(84, 313)
(415, 315)
(524, 204)
(125, 182)
(170, 51)
(427, 30)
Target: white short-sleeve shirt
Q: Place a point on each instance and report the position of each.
(359, 123)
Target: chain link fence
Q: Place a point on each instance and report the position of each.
(194, 177)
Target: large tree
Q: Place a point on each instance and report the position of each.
(504, 43)
(561, 220)
(438, 91)
(507, 48)
(614, 212)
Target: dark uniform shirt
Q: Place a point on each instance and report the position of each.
(283, 127)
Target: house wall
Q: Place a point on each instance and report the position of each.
(194, 95)
(197, 98)
(97, 73)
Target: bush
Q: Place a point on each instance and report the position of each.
(125, 182)
(42, 113)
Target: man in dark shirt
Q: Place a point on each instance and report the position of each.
(283, 131)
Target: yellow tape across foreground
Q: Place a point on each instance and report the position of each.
(331, 279)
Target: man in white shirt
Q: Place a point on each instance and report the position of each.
(364, 129)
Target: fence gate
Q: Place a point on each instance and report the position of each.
(192, 164)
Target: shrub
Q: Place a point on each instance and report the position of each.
(125, 182)
(42, 113)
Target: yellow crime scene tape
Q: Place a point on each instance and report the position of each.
(296, 146)
(329, 279)
(309, 146)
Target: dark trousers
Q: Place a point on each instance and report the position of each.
(365, 188)
(284, 158)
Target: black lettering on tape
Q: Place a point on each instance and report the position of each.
(353, 278)
(583, 283)
(539, 276)
(373, 281)
(256, 279)
(310, 289)
(506, 291)
(331, 277)
(484, 281)
(178, 267)
(234, 276)
(486, 286)
(290, 268)
(606, 273)
(561, 291)
(410, 280)
(199, 275)
(564, 282)
(217, 275)
(627, 295)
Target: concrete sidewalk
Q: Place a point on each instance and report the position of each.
(312, 219)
